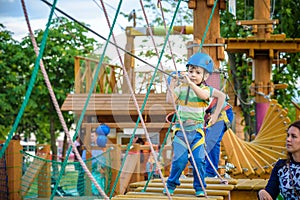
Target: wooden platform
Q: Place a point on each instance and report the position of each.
(236, 189)
(117, 104)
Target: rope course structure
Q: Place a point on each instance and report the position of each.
(250, 159)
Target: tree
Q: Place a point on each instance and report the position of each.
(65, 40)
(14, 69)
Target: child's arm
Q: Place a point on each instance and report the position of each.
(200, 92)
(221, 100)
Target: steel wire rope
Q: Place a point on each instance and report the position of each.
(133, 96)
(173, 102)
(54, 101)
(152, 79)
(31, 82)
(90, 93)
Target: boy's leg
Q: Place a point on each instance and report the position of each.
(213, 138)
(199, 157)
(179, 161)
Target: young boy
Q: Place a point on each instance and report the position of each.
(192, 97)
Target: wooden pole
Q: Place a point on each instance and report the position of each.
(14, 160)
(202, 12)
(77, 75)
(262, 63)
(89, 155)
(115, 166)
(44, 177)
(129, 62)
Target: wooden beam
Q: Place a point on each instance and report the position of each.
(257, 22)
(153, 125)
(244, 44)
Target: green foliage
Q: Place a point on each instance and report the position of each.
(65, 40)
(287, 12)
(14, 69)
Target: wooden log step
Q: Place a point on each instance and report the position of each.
(231, 181)
(251, 184)
(223, 193)
(146, 195)
(176, 196)
(185, 185)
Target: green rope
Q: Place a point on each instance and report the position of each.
(146, 97)
(207, 26)
(89, 96)
(31, 83)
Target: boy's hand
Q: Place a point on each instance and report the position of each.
(212, 119)
(186, 78)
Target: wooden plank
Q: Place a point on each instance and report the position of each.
(127, 171)
(270, 159)
(232, 156)
(280, 148)
(185, 185)
(243, 156)
(278, 130)
(128, 125)
(208, 180)
(114, 102)
(223, 193)
(268, 152)
(249, 184)
(267, 167)
(255, 164)
(31, 172)
(157, 196)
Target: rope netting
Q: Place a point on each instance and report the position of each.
(74, 181)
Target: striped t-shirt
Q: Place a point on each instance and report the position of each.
(195, 107)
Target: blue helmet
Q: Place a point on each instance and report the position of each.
(201, 60)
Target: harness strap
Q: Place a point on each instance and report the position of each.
(201, 141)
(180, 141)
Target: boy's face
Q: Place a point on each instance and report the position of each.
(197, 74)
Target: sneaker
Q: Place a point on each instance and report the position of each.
(200, 193)
(170, 191)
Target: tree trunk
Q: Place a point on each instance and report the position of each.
(53, 142)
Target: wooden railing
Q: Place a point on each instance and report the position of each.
(108, 78)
